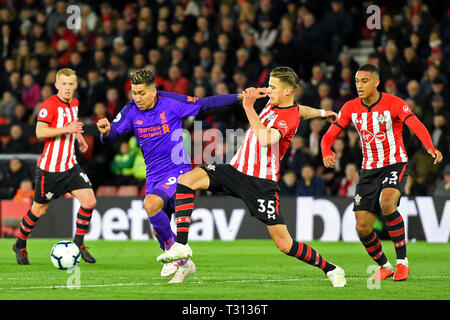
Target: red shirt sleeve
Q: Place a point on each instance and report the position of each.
(46, 112)
(401, 109)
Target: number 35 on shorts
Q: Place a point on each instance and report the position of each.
(267, 206)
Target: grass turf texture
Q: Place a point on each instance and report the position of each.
(242, 269)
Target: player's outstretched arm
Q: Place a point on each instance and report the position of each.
(43, 130)
(329, 158)
(310, 113)
(422, 133)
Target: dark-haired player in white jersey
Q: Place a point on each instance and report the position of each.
(378, 118)
(253, 172)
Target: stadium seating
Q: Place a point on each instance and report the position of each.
(104, 191)
(128, 191)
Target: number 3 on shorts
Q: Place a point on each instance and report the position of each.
(393, 179)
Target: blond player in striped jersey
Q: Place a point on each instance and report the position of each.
(57, 169)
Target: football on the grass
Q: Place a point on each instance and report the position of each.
(65, 255)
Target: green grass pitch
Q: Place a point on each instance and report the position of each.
(237, 270)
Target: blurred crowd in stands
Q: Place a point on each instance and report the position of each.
(208, 47)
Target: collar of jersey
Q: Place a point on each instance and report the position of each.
(374, 104)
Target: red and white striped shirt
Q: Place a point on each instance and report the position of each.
(59, 152)
(264, 162)
(380, 129)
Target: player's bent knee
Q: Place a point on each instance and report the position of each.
(153, 204)
(387, 206)
(363, 229)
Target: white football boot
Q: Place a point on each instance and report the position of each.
(183, 272)
(337, 277)
(169, 268)
(178, 251)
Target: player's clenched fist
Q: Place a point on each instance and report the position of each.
(103, 126)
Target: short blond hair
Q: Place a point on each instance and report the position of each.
(66, 72)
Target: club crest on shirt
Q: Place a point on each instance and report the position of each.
(49, 195)
(357, 199)
(381, 119)
(282, 124)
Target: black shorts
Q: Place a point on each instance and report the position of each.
(372, 182)
(261, 196)
(50, 185)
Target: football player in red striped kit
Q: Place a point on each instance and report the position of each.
(378, 118)
(57, 169)
(253, 172)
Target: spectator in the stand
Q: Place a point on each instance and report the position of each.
(245, 65)
(20, 115)
(413, 92)
(216, 76)
(266, 65)
(442, 188)
(393, 61)
(95, 91)
(58, 16)
(199, 78)
(345, 60)
(285, 49)
(25, 193)
(99, 112)
(122, 164)
(14, 85)
(240, 81)
(347, 186)
(353, 145)
(177, 59)
(437, 107)
(390, 86)
(297, 156)
(113, 102)
(154, 57)
(310, 184)
(205, 60)
(288, 184)
(176, 82)
(266, 36)
(77, 63)
(311, 43)
(249, 45)
(440, 134)
(388, 30)
(88, 17)
(338, 24)
(7, 106)
(345, 94)
(314, 138)
(11, 177)
(417, 43)
(18, 142)
(31, 93)
(413, 67)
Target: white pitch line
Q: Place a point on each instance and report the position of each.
(204, 282)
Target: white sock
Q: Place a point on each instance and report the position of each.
(402, 261)
(388, 266)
